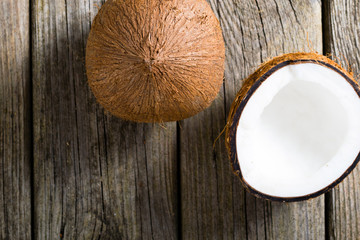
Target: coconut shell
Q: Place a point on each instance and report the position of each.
(155, 61)
(250, 85)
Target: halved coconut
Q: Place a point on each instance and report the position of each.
(294, 129)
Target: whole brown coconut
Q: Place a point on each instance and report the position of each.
(155, 61)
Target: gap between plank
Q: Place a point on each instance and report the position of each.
(31, 123)
(326, 34)
(179, 202)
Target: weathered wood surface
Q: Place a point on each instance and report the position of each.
(214, 204)
(343, 42)
(95, 176)
(15, 120)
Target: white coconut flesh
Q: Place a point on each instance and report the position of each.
(299, 132)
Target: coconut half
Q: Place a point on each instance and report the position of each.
(294, 129)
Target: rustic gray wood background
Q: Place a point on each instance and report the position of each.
(69, 170)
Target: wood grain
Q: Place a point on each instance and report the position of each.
(95, 176)
(98, 177)
(343, 42)
(214, 204)
(15, 121)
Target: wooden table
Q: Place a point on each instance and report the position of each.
(70, 170)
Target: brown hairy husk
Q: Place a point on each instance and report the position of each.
(155, 61)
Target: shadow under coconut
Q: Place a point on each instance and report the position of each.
(95, 173)
(214, 198)
(15, 125)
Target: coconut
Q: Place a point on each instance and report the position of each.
(155, 61)
(293, 130)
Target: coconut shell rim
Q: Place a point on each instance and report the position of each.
(251, 84)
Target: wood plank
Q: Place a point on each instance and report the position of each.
(95, 176)
(343, 42)
(15, 121)
(214, 204)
